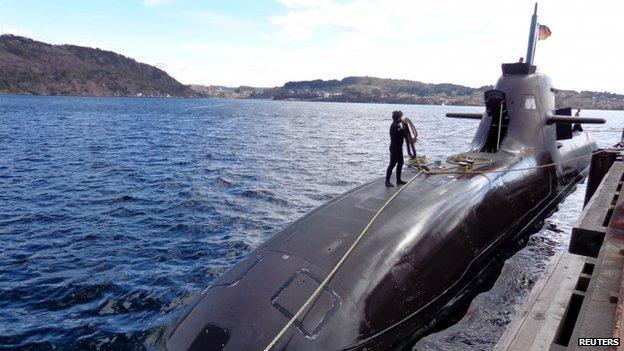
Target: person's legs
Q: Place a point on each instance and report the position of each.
(389, 171)
(398, 158)
(398, 171)
(393, 162)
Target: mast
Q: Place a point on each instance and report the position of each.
(532, 38)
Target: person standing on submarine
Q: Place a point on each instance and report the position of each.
(397, 136)
(576, 127)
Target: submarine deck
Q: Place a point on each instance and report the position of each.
(581, 293)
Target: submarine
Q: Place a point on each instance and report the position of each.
(375, 267)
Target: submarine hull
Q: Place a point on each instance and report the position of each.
(419, 256)
(398, 259)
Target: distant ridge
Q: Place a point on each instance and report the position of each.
(397, 91)
(32, 67)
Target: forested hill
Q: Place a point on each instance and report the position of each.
(32, 67)
(379, 90)
(370, 89)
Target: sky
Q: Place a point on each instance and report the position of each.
(269, 42)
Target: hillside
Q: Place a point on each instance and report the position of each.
(379, 90)
(32, 67)
(369, 89)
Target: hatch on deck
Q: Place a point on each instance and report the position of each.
(496, 108)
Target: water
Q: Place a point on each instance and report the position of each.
(116, 212)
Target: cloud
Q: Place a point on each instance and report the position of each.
(215, 20)
(260, 65)
(152, 3)
(450, 40)
(305, 3)
(394, 19)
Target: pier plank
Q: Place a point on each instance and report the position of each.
(537, 323)
(598, 316)
(588, 233)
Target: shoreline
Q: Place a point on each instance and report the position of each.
(258, 99)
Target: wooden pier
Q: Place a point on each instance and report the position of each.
(581, 293)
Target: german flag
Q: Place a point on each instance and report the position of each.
(543, 32)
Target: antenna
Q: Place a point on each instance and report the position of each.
(532, 35)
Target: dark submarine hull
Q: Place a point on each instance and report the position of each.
(418, 258)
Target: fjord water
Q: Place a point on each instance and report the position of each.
(115, 212)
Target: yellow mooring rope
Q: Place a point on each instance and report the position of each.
(331, 274)
(454, 170)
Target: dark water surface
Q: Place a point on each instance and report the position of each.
(116, 212)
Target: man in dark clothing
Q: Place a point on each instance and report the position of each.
(576, 127)
(397, 136)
